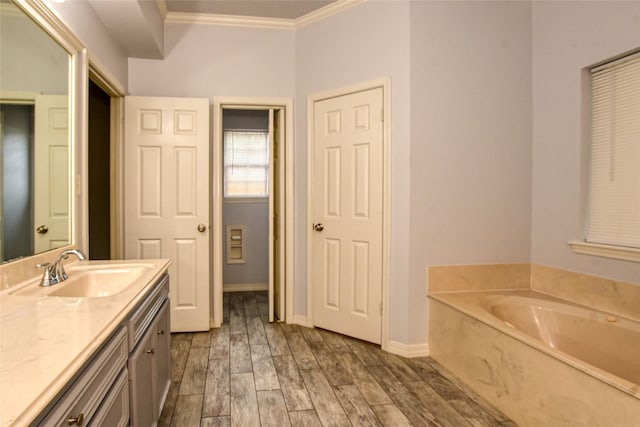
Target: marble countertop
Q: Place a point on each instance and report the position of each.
(44, 340)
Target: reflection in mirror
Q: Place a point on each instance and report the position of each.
(34, 137)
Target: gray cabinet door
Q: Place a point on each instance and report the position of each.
(142, 408)
(162, 356)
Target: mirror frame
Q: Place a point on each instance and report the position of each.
(40, 13)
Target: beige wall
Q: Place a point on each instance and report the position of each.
(470, 138)
(207, 61)
(569, 36)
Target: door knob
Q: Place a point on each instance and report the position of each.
(318, 227)
(202, 228)
(42, 229)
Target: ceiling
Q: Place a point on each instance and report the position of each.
(284, 9)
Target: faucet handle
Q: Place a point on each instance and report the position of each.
(48, 278)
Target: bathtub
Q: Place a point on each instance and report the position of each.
(606, 342)
(539, 359)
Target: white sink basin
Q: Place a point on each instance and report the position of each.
(97, 283)
(88, 281)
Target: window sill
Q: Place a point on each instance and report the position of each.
(607, 251)
(246, 200)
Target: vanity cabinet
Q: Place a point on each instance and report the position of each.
(150, 357)
(98, 392)
(115, 408)
(127, 380)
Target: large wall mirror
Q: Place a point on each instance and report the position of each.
(37, 82)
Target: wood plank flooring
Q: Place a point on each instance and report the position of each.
(254, 373)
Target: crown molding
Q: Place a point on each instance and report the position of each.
(259, 22)
(162, 7)
(324, 12)
(229, 20)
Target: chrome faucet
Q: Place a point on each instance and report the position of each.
(55, 273)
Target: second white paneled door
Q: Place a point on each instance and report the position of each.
(166, 159)
(347, 214)
(51, 172)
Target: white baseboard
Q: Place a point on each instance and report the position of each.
(407, 350)
(245, 287)
(299, 319)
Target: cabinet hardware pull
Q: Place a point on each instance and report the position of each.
(149, 351)
(76, 420)
(161, 332)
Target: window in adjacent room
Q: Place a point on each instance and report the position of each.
(614, 192)
(246, 163)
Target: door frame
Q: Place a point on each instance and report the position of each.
(247, 103)
(385, 84)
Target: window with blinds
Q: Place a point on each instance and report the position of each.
(614, 204)
(246, 163)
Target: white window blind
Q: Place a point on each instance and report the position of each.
(614, 215)
(246, 163)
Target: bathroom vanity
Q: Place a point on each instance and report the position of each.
(73, 354)
(94, 348)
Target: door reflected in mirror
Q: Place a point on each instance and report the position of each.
(35, 172)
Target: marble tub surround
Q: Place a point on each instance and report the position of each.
(482, 277)
(46, 340)
(517, 375)
(532, 382)
(616, 297)
(481, 306)
(613, 296)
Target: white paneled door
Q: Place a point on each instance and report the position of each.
(166, 159)
(51, 172)
(347, 191)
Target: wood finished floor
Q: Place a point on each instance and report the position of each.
(254, 373)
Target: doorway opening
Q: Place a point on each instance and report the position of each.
(252, 203)
(245, 212)
(99, 172)
(102, 208)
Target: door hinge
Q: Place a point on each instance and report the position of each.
(382, 115)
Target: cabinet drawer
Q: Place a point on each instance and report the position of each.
(144, 314)
(114, 411)
(82, 399)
